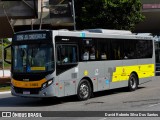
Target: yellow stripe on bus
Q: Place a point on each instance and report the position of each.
(123, 72)
(28, 84)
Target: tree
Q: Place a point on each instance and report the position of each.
(108, 14)
(5, 40)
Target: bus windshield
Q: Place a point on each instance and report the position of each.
(33, 58)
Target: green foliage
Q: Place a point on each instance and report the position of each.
(6, 65)
(108, 14)
(4, 88)
(6, 41)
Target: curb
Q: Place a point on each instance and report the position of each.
(7, 92)
(5, 79)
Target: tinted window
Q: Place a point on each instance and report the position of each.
(88, 50)
(130, 49)
(157, 51)
(103, 49)
(67, 57)
(144, 49)
(95, 49)
(116, 49)
(136, 49)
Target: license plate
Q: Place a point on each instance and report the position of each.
(26, 92)
(34, 85)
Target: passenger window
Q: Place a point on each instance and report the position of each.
(88, 52)
(117, 49)
(130, 49)
(85, 55)
(137, 49)
(103, 49)
(92, 53)
(144, 49)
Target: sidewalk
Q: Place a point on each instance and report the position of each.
(6, 78)
(7, 73)
(6, 92)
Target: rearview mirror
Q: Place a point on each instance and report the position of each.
(5, 54)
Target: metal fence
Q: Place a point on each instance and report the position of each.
(150, 1)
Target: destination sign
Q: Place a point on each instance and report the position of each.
(32, 36)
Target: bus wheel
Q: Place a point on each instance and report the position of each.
(84, 90)
(133, 82)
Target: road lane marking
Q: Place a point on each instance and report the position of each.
(103, 119)
(154, 105)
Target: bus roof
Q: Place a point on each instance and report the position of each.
(107, 31)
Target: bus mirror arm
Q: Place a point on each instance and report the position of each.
(5, 55)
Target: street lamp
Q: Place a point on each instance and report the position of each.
(41, 15)
(74, 17)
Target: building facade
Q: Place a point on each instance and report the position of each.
(151, 11)
(26, 14)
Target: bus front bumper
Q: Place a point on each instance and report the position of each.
(49, 91)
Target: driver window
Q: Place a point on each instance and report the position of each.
(66, 54)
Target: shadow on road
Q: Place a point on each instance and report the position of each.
(114, 91)
(36, 102)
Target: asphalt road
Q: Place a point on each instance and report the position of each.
(146, 98)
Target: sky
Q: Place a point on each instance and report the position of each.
(10, 39)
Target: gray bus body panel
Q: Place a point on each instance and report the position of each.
(105, 68)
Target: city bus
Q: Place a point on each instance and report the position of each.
(58, 63)
(157, 57)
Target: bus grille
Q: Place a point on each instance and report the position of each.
(31, 90)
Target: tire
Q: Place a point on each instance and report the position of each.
(84, 90)
(133, 82)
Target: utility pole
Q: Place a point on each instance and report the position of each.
(31, 24)
(41, 15)
(74, 17)
(2, 59)
(8, 19)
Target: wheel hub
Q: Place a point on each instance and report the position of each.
(84, 90)
(133, 82)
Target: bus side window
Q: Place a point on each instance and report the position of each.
(117, 49)
(89, 53)
(85, 55)
(88, 50)
(103, 49)
(92, 53)
(103, 56)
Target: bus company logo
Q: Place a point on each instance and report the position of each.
(6, 114)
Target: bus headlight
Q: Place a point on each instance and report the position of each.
(46, 84)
